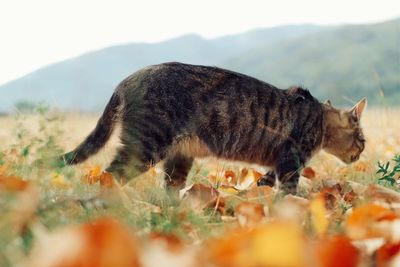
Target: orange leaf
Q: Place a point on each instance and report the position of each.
(368, 213)
(386, 253)
(13, 183)
(334, 249)
(103, 242)
(363, 221)
(309, 173)
(106, 180)
(92, 176)
(230, 177)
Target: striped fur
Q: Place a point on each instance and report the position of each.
(176, 112)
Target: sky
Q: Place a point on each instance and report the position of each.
(35, 33)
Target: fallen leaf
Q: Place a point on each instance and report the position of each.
(23, 209)
(167, 250)
(309, 173)
(277, 244)
(93, 175)
(368, 221)
(247, 178)
(12, 183)
(385, 256)
(250, 214)
(200, 196)
(378, 192)
(102, 243)
(58, 181)
(259, 193)
(333, 251)
(319, 215)
(228, 190)
(292, 208)
(107, 180)
(230, 177)
(171, 242)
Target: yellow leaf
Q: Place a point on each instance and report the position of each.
(58, 180)
(278, 244)
(228, 190)
(319, 215)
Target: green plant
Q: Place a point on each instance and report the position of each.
(388, 174)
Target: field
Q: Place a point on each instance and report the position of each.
(53, 215)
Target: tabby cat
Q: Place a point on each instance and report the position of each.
(174, 112)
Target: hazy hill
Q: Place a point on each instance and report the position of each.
(341, 64)
(336, 62)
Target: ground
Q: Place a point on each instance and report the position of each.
(54, 215)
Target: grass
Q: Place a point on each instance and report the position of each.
(30, 142)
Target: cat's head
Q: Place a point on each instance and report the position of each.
(344, 137)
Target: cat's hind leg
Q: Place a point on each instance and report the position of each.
(176, 169)
(136, 156)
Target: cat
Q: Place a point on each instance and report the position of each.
(174, 112)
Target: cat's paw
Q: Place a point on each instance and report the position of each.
(266, 180)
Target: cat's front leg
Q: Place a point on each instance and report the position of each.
(287, 169)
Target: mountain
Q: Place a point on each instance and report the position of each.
(341, 62)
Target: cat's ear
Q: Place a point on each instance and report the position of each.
(358, 108)
(328, 103)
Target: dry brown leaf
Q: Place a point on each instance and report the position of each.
(250, 214)
(292, 208)
(260, 193)
(378, 192)
(200, 196)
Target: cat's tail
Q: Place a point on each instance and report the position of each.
(99, 136)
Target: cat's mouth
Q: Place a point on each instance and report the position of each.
(351, 159)
(354, 158)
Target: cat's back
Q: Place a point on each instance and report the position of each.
(184, 78)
